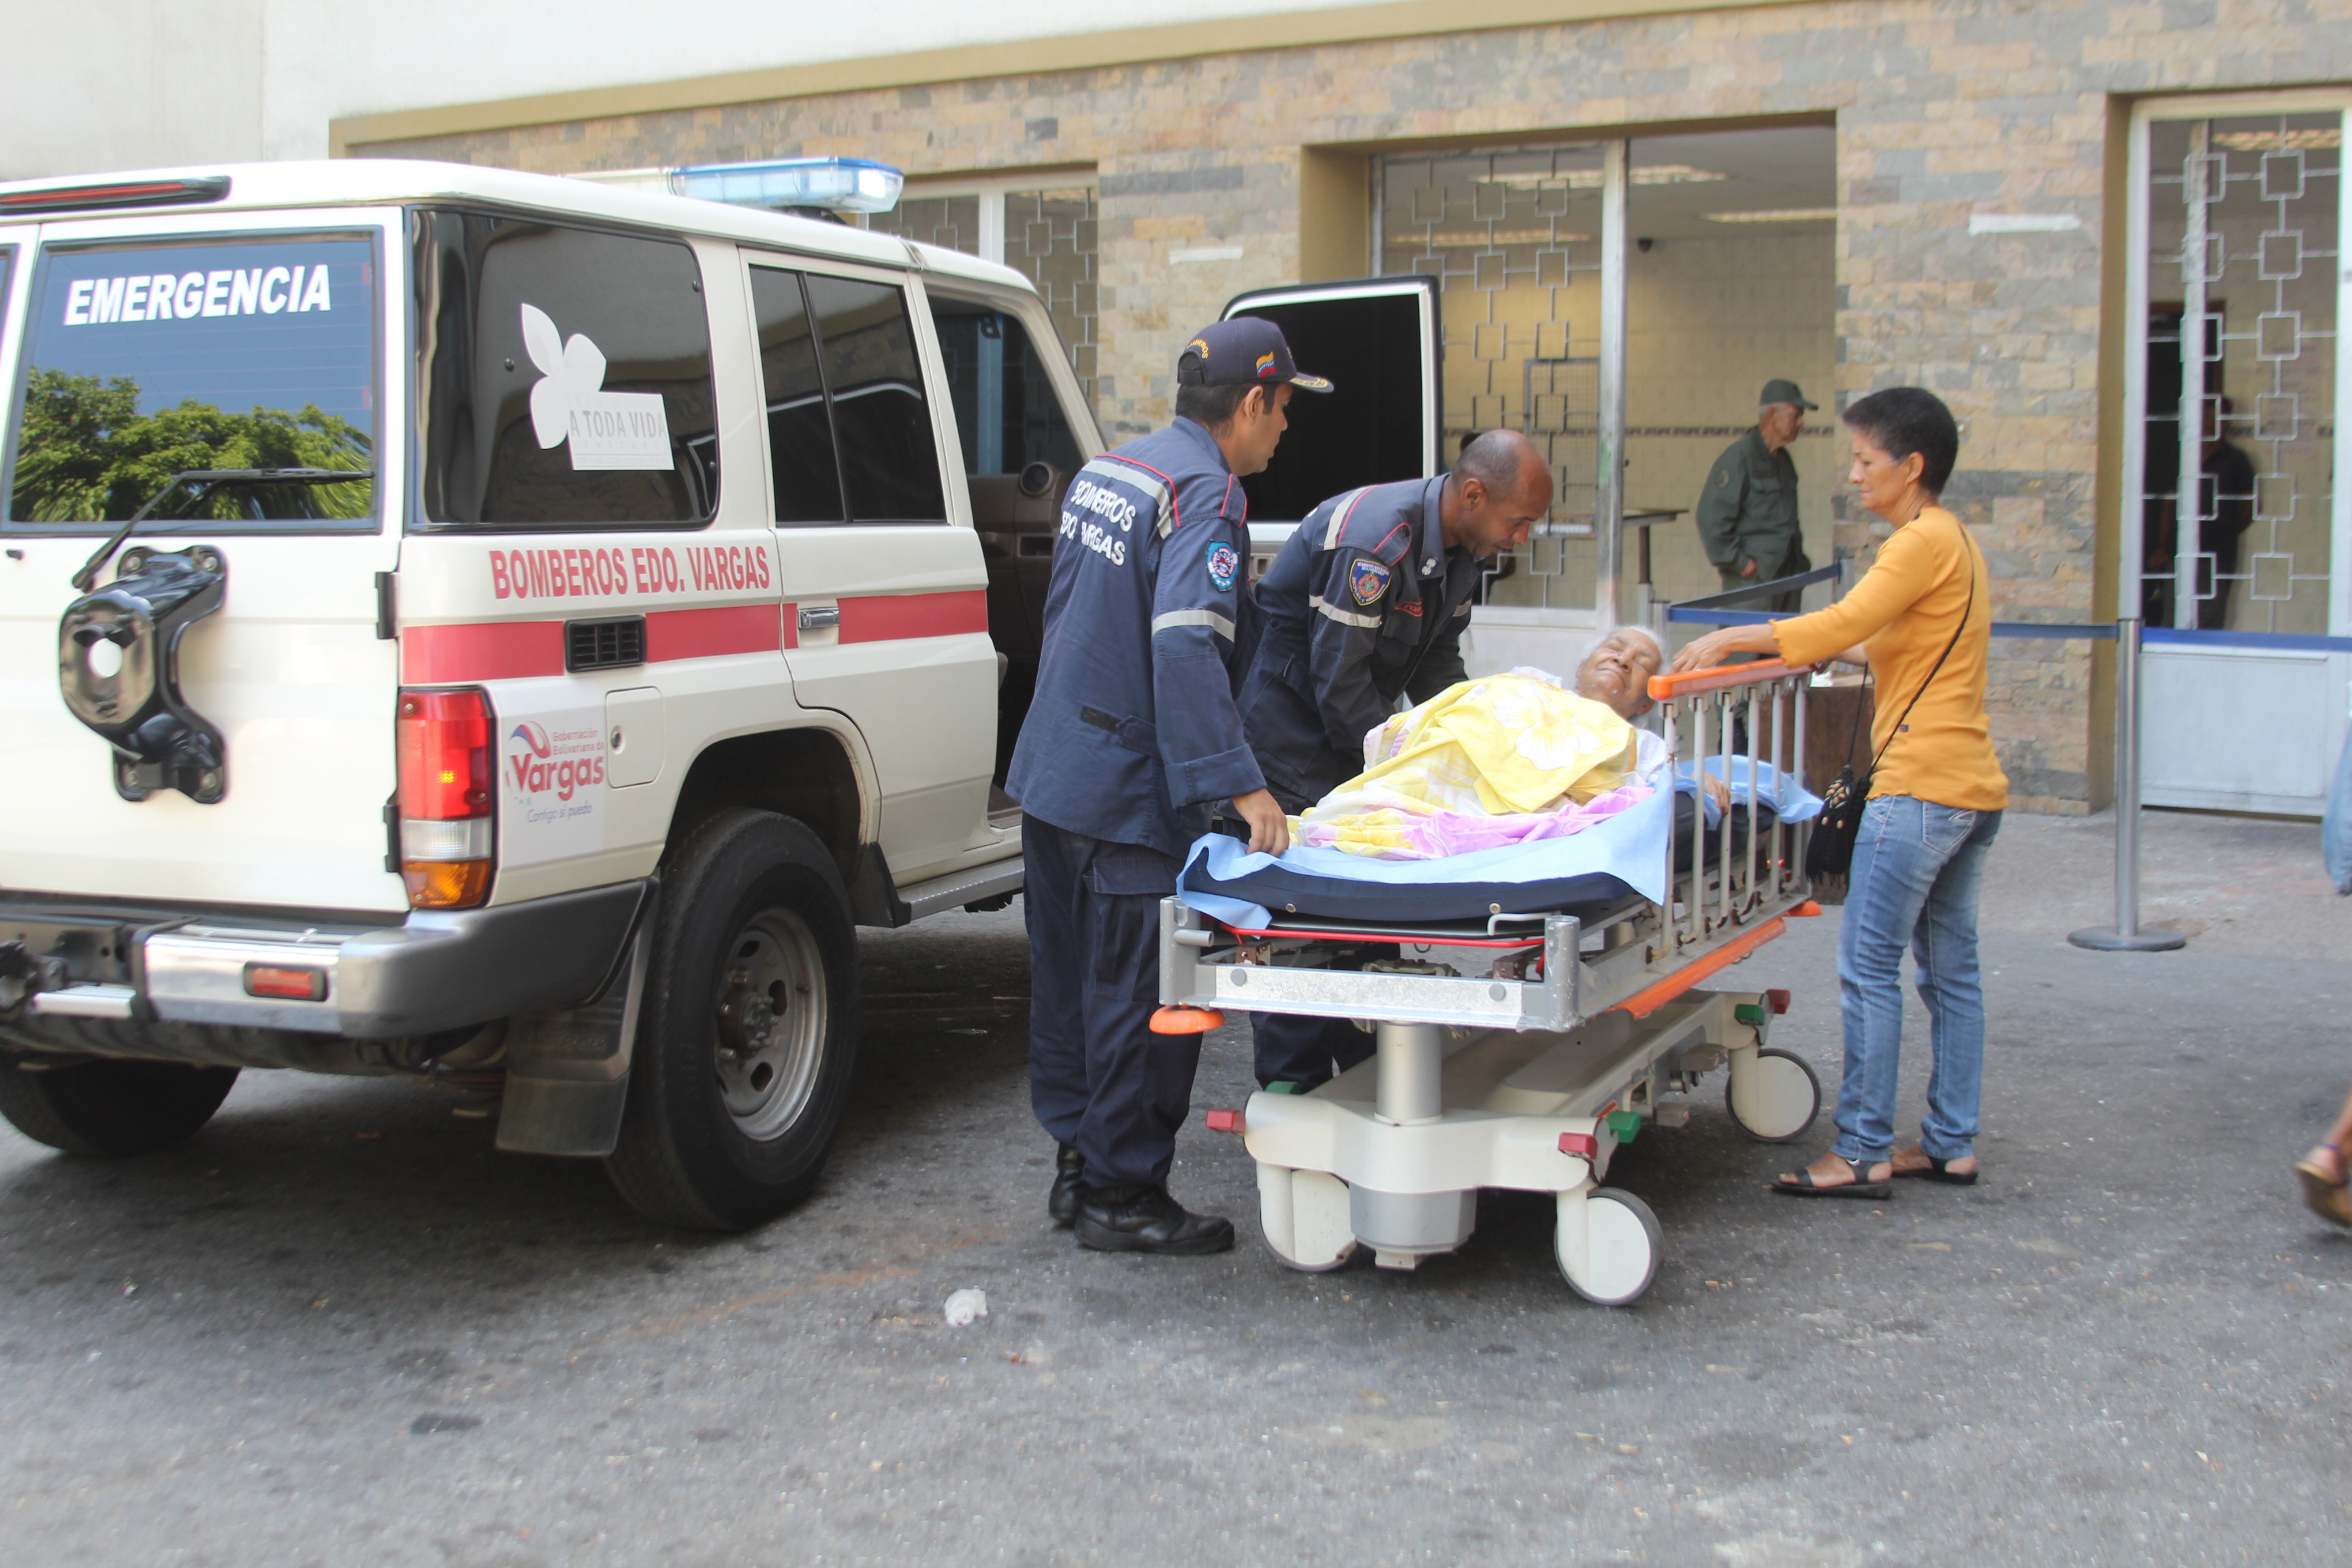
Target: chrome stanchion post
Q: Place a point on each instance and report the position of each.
(2124, 935)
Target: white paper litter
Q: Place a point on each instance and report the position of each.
(964, 1307)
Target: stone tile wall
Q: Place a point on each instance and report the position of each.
(1943, 107)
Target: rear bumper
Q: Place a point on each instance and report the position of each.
(436, 969)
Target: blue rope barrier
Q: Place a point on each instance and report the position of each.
(2065, 631)
(2297, 641)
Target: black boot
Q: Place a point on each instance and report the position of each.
(1146, 1219)
(1069, 1180)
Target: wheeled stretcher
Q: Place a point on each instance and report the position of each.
(1526, 1028)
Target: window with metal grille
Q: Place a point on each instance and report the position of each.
(605, 645)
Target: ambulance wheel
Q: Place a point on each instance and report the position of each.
(1776, 1099)
(747, 1029)
(114, 1107)
(1609, 1253)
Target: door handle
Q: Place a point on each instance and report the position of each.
(820, 617)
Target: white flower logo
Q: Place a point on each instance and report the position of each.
(569, 370)
(606, 429)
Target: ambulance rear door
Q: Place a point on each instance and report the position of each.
(143, 347)
(1377, 341)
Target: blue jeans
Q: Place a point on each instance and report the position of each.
(1917, 869)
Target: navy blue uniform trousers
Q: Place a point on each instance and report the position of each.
(1289, 1048)
(1098, 1076)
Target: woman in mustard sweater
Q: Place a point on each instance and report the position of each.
(1922, 619)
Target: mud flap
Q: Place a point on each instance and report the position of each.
(568, 1073)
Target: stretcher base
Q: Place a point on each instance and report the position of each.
(1390, 1157)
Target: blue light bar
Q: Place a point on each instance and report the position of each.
(831, 184)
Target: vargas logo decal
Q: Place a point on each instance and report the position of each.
(546, 768)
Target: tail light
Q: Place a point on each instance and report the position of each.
(447, 830)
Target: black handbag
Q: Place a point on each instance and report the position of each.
(1829, 853)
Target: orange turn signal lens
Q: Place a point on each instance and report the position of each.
(446, 884)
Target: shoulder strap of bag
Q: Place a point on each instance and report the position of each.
(1966, 611)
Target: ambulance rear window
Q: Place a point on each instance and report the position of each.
(144, 361)
(565, 376)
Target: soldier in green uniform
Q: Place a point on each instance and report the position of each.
(1748, 514)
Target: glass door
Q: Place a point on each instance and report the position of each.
(2236, 516)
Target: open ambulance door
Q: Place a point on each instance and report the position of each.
(1377, 341)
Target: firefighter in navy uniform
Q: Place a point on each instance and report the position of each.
(1364, 604)
(1132, 733)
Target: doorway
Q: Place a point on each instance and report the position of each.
(1651, 328)
(2241, 524)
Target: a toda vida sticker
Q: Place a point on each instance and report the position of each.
(604, 429)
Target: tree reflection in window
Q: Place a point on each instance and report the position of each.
(87, 454)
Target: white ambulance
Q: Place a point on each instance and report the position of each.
(504, 630)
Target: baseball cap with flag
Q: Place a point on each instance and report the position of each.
(1242, 352)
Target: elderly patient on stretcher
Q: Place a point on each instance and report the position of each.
(1503, 759)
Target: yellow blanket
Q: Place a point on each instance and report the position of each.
(1496, 746)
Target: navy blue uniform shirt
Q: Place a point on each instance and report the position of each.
(1363, 603)
(1133, 729)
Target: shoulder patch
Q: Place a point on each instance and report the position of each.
(1367, 580)
(1224, 566)
(1723, 478)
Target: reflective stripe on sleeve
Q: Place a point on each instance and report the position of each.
(1151, 482)
(1345, 617)
(1339, 515)
(1220, 624)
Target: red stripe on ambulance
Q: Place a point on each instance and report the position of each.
(494, 650)
(711, 634)
(900, 616)
(516, 650)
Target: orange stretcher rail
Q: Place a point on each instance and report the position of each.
(1717, 678)
(1643, 1003)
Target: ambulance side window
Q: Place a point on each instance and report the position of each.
(800, 427)
(1007, 409)
(881, 419)
(564, 375)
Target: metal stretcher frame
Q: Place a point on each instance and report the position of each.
(1521, 1057)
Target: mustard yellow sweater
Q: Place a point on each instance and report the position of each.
(1904, 610)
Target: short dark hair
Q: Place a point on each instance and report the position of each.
(1901, 420)
(1492, 458)
(1213, 406)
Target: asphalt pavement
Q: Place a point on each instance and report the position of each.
(336, 1327)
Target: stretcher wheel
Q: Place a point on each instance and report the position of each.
(1773, 1098)
(1606, 1242)
(1307, 1218)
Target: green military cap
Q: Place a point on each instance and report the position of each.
(1780, 389)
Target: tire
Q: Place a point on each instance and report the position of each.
(1779, 1101)
(1620, 1256)
(747, 1027)
(113, 1108)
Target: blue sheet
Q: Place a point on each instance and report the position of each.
(1782, 792)
(1620, 855)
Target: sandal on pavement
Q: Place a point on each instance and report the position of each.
(1803, 1184)
(2323, 1194)
(1935, 1170)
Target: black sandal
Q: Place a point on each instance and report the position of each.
(1937, 1169)
(1804, 1186)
